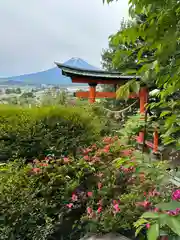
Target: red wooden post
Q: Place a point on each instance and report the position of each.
(143, 97)
(92, 93)
(155, 145)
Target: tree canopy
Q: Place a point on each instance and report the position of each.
(160, 35)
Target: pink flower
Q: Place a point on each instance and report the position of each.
(126, 152)
(154, 193)
(174, 212)
(116, 208)
(148, 225)
(74, 197)
(105, 150)
(89, 194)
(89, 210)
(66, 160)
(86, 151)
(99, 209)
(36, 170)
(176, 195)
(107, 139)
(70, 205)
(156, 210)
(86, 157)
(114, 202)
(99, 185)
(144, 204)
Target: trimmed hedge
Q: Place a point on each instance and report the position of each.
(35, 132)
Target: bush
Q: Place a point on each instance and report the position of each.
(28, 133)
(34, 197)
(106, 189)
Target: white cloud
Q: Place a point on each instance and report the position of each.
(36, 33)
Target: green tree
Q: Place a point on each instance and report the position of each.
(160, 34)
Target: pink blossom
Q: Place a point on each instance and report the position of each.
(105, 150)
(99, 209)
(144, 204)
(86, 157)
(66, 160)
(156, 210)
(70, 205)
(74, 197)
(148, 225)
(176, 195)
(107, 139)
(126, 152)
(89, 210)
(116, 208)
(174, 212)
(99, 185)
(89, 194)
(86, 151)
(154, 193)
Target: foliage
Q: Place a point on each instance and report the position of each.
(166, 220)
(34, 197)
(124, 189)
(29, 133)
(160, 35)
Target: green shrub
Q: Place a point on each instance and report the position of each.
(96, 193)
(29, 133)
(34, 197)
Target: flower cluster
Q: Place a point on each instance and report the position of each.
(176, 195)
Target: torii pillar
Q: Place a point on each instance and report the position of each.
(92, 92)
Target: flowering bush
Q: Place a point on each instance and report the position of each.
(34, 198)
(126, 184)
(106, 189)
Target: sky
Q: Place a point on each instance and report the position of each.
(36, 33)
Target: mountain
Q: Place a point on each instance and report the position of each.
(52, 76)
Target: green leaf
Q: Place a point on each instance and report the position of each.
(123, 92)
(152, 215)
(174, 224)
(138, 230)
(168, 206)
(135, 86)
(153, 232)
(164, 113)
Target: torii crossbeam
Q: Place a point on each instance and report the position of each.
(94, 77)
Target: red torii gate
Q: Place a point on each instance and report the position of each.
(94, 77)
